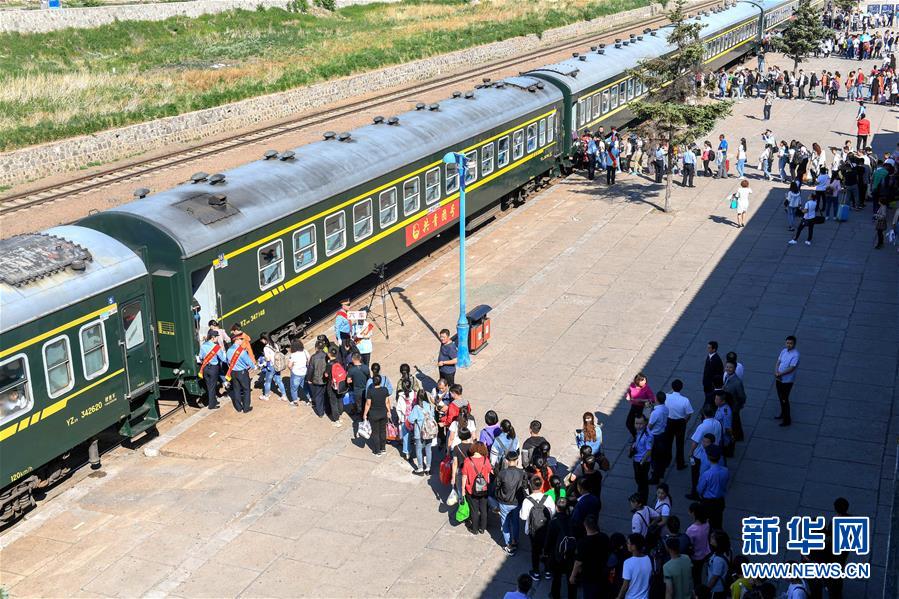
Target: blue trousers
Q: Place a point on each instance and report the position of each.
(271, 375)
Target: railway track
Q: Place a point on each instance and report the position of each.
(99, 180)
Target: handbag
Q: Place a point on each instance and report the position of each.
(452, 498)
(819, 220)
(364, 429)
(463, 511)
(348, 399)
(446, 469)
(393, 431)
(733, 202)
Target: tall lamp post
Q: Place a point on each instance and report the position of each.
(463, 359)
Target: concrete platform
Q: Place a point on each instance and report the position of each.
(589, 286)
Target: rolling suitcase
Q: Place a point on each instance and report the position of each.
(843, 213)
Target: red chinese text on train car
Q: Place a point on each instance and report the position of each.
(437, 219)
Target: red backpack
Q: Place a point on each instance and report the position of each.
(338, 377)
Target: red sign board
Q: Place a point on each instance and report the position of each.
(432, 222)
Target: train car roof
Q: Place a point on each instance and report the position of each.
(264, 191)
(590, 68)
(41, 273)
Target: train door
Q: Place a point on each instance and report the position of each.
(137, 345)
(205, 299)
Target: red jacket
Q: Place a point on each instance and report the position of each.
(864, 126)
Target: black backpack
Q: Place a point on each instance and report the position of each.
(539, 515)
(567, 545)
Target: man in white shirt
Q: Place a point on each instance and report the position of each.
(785, 376)
(642, 515)
(809, 212)
(679, 412)
(637, 570)
(538, 537)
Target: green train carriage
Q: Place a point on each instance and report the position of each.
(77, 354)
(265, 242)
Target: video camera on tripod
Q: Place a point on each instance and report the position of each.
(383, 290)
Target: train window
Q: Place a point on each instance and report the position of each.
(452, 178)
(614, 101)
(363, 221)
(550, 127)
(622, 91)
(518, 144)
(588, 108)
(387, 202)
(58, 366)
(335, 233)
(596, 106)
(432, 185)
(630, 89)
(304, 248)
(15, 388)
(574, 115)
(532, 137)
(541, 133)
(487, 159)
(411, 194)
(271, 264)
(582, 114)
(133, 319)
(94, 360)
(471, 166)
(605, 101)
(502, 152)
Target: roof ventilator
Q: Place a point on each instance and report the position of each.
(647, 30)
(593, 48)
(288, 155)
(457, 94)
(434, 107)
(217, 178)
(469, 95)
(394, 120)
(486, 79)
(625, 43)
(575, 54)
(378, 120)
(532, 89)
(198, 177)
(540, 85)
(218, 201)
(269, 154)
(653, 32)
(420, 106)
(618, 44)
(640, 37)
(582, 58)
(329, 135)
(345, 136)
(500, 84)
(141, 192)
(574, 72)
(601, 51)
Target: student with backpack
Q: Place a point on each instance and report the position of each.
(561, 547)
(591, 561)
(530, 446)
(424, 431)
(272, 362)
(504, 441)
(490, 430)
(403, 402)
(536, 511)
(337, 386)
(476, 473)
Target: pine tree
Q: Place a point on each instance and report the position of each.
(672, 112)
(846, 6)
(802, 34)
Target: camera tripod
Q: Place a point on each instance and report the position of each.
(383, 290)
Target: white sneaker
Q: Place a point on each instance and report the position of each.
(337, 424)
(808, 243)
(792, 242)
(264, 397)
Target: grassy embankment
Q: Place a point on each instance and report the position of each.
(76, 82)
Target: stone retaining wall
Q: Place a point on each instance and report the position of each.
(107, 146)
(39, 21)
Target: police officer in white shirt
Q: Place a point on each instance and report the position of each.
(679, 412)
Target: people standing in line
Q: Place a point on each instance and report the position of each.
(712, 372)
(385, 380)
(377, 408)
(403, 406)
(269, 370)
(589, 435)
(536, 511)
(708, 426)
(698, 532)
(511, 487)
(315, 376)
(743, 193)
(791, 205)
(712, 487)
(660, 158)
(733, 386)
(590, 570)
(689, 160)
(658, 428)
(641, 454)
(679, 411)
(212, 360)
(591, 157)
(336, 386)
(240, 362)
(783, 159)
(784, 377)
(504, 442)
(642, 516)
(447, 357)
(638, 395)
(708, 155)
(357, 380)
(724, 414)
(298, 362)
(561, 547)
(765, 161)
(424, 432)
(809, 213)
(677, 572)
(476, 475)
(769, 101)
(637, 570)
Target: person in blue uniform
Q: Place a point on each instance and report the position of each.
(641, 452)
(712, 487)
(342, 328)
(211, 358)
(240, 363)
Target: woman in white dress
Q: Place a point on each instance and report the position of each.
(743, 192)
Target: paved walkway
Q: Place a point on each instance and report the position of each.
(588, 286)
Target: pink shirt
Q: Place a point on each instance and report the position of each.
(699, 536)
(640, 395)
